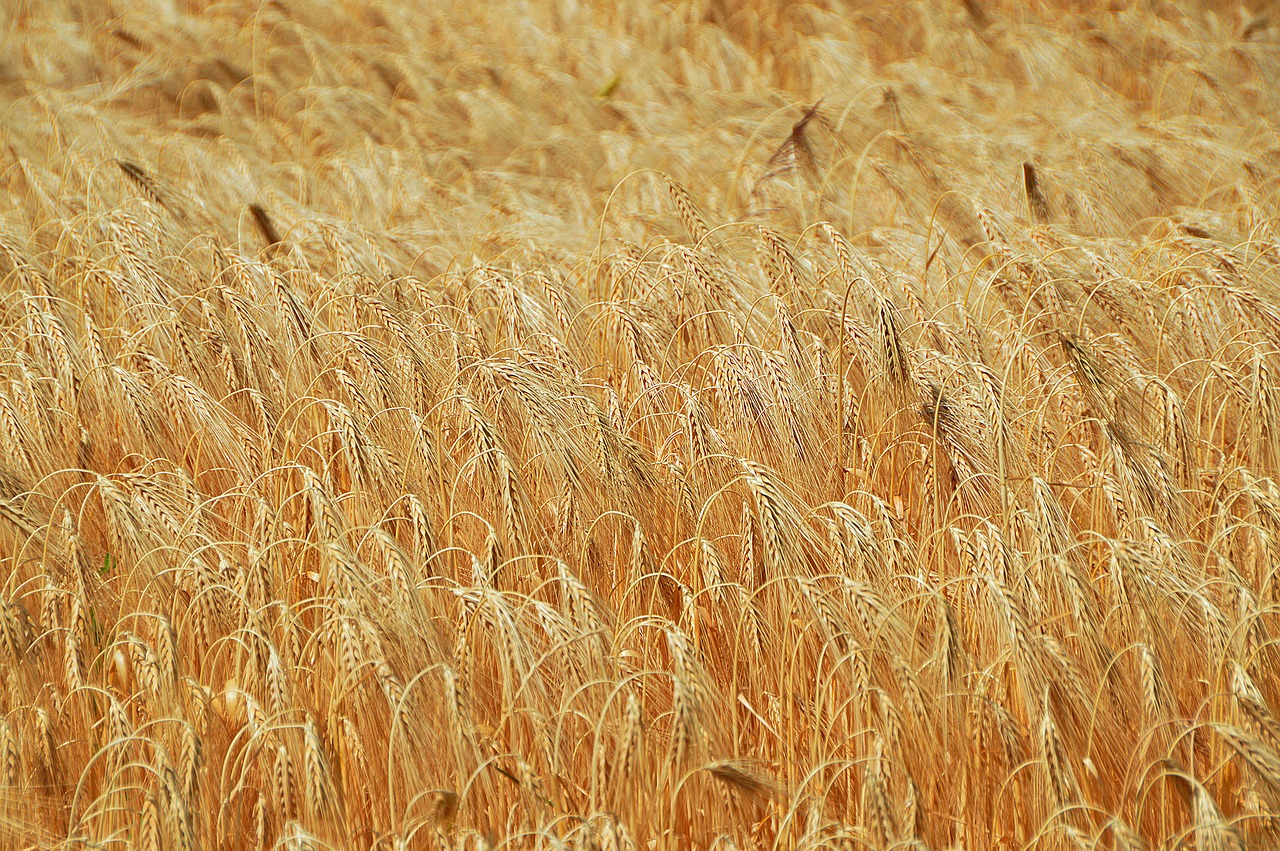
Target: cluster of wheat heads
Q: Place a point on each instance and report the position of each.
(386, 461)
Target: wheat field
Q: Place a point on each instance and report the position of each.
(572, 425)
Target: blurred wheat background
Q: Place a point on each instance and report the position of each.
(593, 426)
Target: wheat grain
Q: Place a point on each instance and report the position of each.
(10, 757)
(148, 832)
(1062, 777)
(283, 785)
